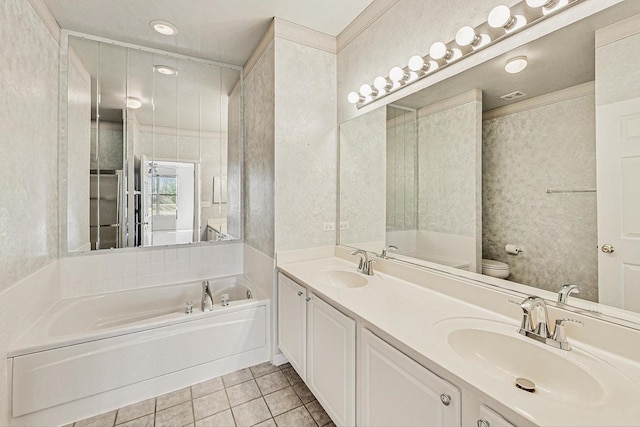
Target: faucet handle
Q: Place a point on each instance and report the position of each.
(559, 333)
(364, 259)
(369, 267)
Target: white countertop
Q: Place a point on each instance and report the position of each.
(414, 314)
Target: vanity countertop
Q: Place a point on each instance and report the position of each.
(601, 388)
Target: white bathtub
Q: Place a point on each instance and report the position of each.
(99, 344)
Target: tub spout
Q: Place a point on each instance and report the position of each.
(207, 298)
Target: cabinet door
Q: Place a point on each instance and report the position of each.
(292, 321)
(394, 390)
(490, 418)
(331, 360)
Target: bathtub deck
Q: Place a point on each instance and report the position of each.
(263, 395)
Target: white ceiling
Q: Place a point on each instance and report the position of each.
(219, 30)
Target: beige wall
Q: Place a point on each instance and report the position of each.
(552, 146)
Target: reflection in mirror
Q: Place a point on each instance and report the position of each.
(152, 139)
(539, 220)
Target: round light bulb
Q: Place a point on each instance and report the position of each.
(163, 27)
(381, 83)
(397, 74)
(466, 36)
(540, 3)
(416, 63)
(438, 50)
(515, 65)
(366, 90)
(133, 103)
(500, 17)
(354, 97)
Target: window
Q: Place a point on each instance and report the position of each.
(164, 195)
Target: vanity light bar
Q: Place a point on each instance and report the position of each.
(502, 22)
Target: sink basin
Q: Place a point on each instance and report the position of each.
(342, 278)
(497, 350)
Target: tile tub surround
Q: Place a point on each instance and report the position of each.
(263, 395)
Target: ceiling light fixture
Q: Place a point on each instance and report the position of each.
(165, 69)
(163, 27)
(133, 103)
(516, 64)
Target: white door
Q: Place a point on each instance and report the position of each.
(394, 390)
(292, 323)
(331, 360)
(618, 170)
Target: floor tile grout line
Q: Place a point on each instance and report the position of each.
(193, 407)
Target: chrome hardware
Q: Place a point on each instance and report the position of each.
(207, 298)
(365, 266)
(387, 249)
(535, 324)
(565, 291)
(483, 423)
(299, 293)
(188, 307)
(308, 299)
(224, 300)
(608, 249)
(445, 399)
(249, 294)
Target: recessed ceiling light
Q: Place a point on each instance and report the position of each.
(133, 103)
(164, 27)
(165, 69)
(515, 65)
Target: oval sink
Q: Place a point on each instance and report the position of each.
(497, 349)
(342, 278)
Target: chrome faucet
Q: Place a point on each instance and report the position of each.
(387, 249)
(565, 291)
(535, 324)
(365, 266)
(207, 298)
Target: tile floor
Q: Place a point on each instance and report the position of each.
(264, 395)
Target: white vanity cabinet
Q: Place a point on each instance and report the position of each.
(319, 342)
(487, 417)
(394, 390)
(292, 323)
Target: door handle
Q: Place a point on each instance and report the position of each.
(607, 248)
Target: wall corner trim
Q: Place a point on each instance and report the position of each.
(618, 31)
(304, 36)
(263, 44)
(368, 16)
(473, 95)
(47, 18)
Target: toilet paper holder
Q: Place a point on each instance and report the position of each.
(513, 249)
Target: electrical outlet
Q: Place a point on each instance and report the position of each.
(344, 225)
(205, 204)
(329, 226)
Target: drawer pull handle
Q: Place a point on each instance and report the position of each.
(308, 299)
(445, 399)
(299, 293)
(483, 423)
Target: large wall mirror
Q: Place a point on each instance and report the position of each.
(524, 178)
(153, 148)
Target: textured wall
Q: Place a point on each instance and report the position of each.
(29, 143)
(407, 29)
(305, 146)
(448, 162)
(402, 166)
(362, 178)
(79, 137)
(259, 151)
(523, 154)
(618, 80)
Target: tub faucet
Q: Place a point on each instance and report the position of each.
(366, 265)
(535, 324)
(207, 298)
(565, 291)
